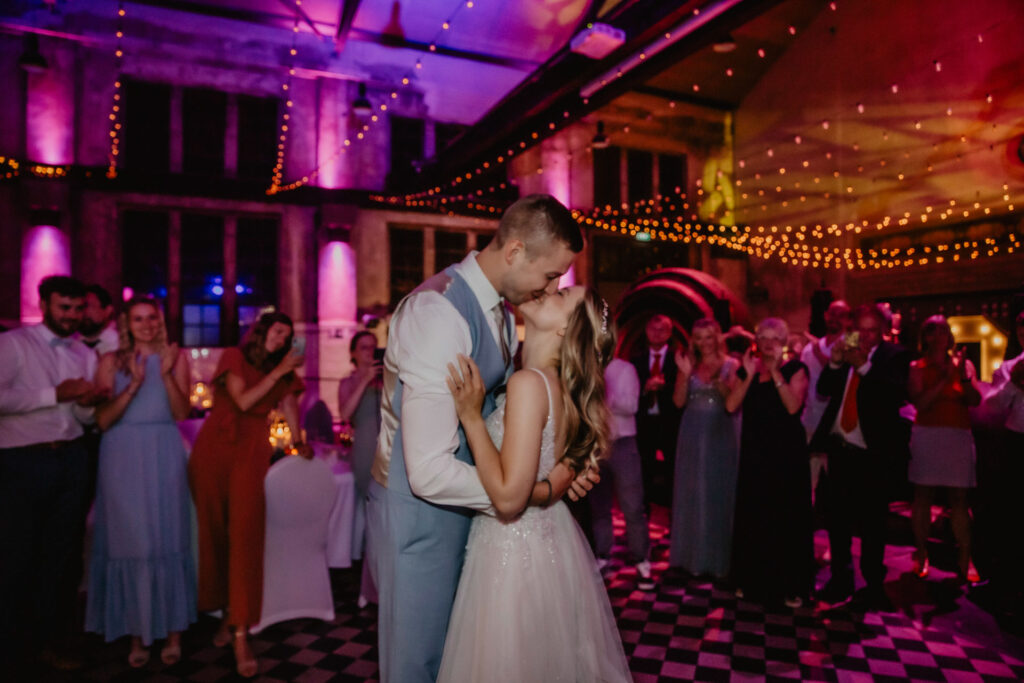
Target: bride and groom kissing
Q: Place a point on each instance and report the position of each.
(483, 573)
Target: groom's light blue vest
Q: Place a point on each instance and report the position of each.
(419, 546)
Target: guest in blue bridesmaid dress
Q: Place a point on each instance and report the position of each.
(707, 455)
(142, 578)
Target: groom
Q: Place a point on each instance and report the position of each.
(425, 486)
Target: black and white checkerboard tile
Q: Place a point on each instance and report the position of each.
(687, 629)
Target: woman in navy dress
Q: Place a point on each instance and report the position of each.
(142, 579)
(772, 547)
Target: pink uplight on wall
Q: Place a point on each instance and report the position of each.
(49, 120)
(336, 302)
(44, 251)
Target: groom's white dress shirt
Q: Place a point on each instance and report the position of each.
(34, 361)
(426, 334)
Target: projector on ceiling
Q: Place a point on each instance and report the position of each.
(598, 41)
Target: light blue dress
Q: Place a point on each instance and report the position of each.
(704, 496)
(142, 577)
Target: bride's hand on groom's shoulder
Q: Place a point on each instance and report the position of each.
(467, 388)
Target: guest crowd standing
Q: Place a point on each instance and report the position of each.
(1006, 401)
(46, 395)
(865, 436)
(707, 455)
(815, 357)
(142, 575)
(622, 473)
(98, 329)
(772, 545)
(941, 386)
(657, 421)
(226, 470)
(359, 404)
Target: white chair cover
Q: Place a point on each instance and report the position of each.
(296, 584)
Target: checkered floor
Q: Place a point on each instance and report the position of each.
(688, 629)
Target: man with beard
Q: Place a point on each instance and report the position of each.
(46, 395)
(98, 329)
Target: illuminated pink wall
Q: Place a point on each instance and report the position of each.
(49, 111)
(45, 250)
(336, 300)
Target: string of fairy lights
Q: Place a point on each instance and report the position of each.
(674, 218)
(276, 185)
(115, 116)
(282, 137)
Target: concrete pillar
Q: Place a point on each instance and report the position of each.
(231, 137)
(174, 294)
(229, 302)
(177, 130)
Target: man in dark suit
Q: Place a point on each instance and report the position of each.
(866, 437)
(657, 418)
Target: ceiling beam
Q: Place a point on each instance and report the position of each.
(396, 41)
(297, 9)
(552, 92)
(346, 15)
(250, 16)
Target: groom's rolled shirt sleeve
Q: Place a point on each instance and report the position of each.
(432, 333)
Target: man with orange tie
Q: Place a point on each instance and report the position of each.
(866, 439)
(657, 418)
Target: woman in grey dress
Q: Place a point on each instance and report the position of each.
(707, 455)
(359, 404)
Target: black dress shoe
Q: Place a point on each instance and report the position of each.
(835, 592)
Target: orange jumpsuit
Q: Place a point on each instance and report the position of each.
(226, 470)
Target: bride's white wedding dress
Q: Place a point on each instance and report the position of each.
(531, 606)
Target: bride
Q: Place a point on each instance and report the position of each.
(531, 604)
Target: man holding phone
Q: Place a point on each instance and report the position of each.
(866, 439)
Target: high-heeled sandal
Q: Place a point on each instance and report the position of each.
(969, 576)
(921, 566)
(245, 663)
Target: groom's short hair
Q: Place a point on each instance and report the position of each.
(536, 220)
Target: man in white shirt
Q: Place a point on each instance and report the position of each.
(816, 356)
(98, 329)
(622, 474)
(46, 394)
(425, 486)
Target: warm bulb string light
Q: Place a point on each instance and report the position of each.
(801, 197)
(9, 167)
(345, 146)
(276, 184)
(445, 27)
(849, 181)
(115, 115)
(286, 87)
(787, 252)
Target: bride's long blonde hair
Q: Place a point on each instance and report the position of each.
(586, 349)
